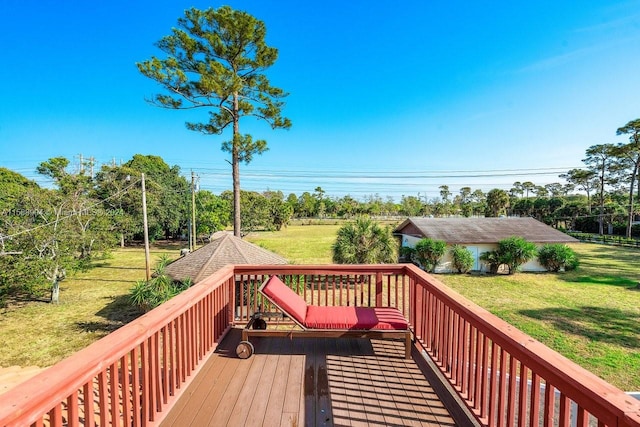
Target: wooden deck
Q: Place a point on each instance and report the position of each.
(310, 382)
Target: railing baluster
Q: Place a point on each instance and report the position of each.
(184, 348)
(154, 370)
(549, 404)
(478, 370)
(511, 408)
(446, 336)
(471, 388)
(484, 371)
(493, 394)
(87, 396)
(144, 383)
(114, 392)
(502, 389)
(455, 343)
(522, 396)
(563, 420)
(534, 406)
(72, 409)
(103, 398)
(125, 372)
(464, 362)
(55, 416)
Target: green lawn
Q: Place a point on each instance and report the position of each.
(299, 244)
(591, 315)
(92, 304)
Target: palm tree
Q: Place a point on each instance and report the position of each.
(364, 241)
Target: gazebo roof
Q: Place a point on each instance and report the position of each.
(224, 249)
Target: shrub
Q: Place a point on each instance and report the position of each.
(492, 259)
(406, 254)
(512, 252)
(428, 253)
(462, 258)
(515, 251)
(148, 294)
(364, 241)
(557, 257)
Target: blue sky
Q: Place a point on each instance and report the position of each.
(387, 98)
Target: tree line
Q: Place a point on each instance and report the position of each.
(46, 232)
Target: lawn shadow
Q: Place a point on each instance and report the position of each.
(600, 280)
(609, 261)
(599, 324)
(116, 313)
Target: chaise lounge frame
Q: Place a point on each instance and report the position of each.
(245, 348)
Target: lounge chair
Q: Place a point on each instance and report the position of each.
(324, 321)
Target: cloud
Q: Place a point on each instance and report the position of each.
(568, 57)
(614, 24)
(558, 60)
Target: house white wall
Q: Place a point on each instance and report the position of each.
(445, 265)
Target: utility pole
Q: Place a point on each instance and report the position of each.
(146, 229)
(192, 241)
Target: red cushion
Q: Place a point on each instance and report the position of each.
(362, 318)
(285, 298)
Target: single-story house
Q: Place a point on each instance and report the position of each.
(223, 249)
(479, 235)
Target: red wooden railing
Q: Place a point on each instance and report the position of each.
(135, 374)
(504, 376)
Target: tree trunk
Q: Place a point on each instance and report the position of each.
(55, 287)
(601, 214)
(235, 169)
(55, 292)
(631, 189)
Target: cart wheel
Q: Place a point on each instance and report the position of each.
(244, 350)
(259, 324)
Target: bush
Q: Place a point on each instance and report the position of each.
(516, 251)
(512, 252)
(428, 253)
(364, 241)
(406, 254)
(462, 258)
(147, 295)
(557, 257)
(492, 259)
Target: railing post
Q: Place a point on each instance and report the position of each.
(232, 298)
(416, 309)
(378, 289)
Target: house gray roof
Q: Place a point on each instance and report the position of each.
(481, 230)
(224, 249)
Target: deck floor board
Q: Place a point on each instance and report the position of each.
(309, 382)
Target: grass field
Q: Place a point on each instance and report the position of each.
(591, 315)
(299, 244)
(92, 304)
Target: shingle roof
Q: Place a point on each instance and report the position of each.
(224, 249)
(482, 230)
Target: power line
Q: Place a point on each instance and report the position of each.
(72, 214)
